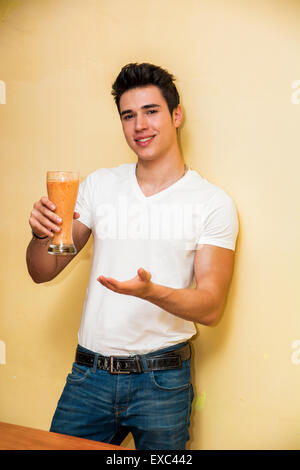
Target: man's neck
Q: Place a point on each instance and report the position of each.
(155, 175)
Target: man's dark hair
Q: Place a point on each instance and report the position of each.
(139, 75)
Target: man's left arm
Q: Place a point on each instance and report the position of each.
(213, 268)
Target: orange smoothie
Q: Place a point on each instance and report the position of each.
(63, 194)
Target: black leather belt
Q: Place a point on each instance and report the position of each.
(129, 364)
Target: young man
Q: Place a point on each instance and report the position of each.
(158, 226)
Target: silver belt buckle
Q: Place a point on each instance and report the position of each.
(113, 371)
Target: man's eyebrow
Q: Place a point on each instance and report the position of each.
(146, 106)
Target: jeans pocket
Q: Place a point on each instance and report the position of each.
(79, 373)
(172, 379)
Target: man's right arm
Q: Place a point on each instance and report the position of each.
(42, 266)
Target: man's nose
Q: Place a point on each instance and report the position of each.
(141, 122)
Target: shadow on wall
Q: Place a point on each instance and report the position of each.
(207, 343)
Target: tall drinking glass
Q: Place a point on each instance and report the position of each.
(62, 189)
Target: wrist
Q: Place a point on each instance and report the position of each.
(40, 243)
(156, 292)
(38, 237)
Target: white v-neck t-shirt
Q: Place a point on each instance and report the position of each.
(159, 233)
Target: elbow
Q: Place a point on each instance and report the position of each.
(211, 318)
(37, 278)
(211, 321)
(37, 281)
(209, 310)
(207, 321)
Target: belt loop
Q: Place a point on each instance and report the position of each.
(143, 361)
(95, 365)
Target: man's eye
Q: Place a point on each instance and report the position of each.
(127, 117)
(152, 111)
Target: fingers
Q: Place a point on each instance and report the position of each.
(108, 282)
(43, 220)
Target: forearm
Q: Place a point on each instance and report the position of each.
(197, 305)
(41, 266)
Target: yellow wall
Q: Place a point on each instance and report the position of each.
(236, 63)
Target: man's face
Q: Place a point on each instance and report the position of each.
(148, 126)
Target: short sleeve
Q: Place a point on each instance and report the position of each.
(220, 225)
(84, 203)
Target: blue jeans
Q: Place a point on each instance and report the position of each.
(154, 406)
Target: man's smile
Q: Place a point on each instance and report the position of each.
(143, 141)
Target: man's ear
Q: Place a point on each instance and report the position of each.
(177, 116)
